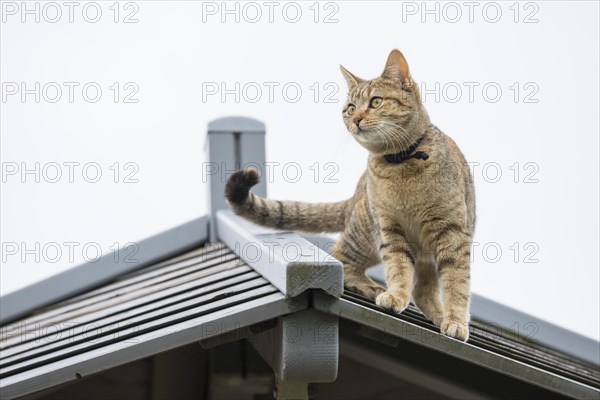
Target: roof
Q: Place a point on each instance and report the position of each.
(219, 289)
(194, 296)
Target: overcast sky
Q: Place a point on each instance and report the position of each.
(107, 107)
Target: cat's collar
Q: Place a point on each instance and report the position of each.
(397, 158)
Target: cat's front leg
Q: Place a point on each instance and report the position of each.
(398, 263)
(453, 258)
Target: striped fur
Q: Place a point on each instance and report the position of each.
(416, 217)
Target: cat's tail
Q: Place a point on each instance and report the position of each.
(289, 215)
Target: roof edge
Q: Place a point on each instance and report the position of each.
(535, 329)
(528, 327)
(88, 275)
(406, 330)
(507, 318)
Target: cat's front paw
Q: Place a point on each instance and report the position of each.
(455, 329)
(393, 300)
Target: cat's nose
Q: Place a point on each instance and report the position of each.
(357, 121)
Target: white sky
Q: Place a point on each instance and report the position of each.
(175, 55)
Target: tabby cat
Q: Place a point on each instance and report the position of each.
(413, 209)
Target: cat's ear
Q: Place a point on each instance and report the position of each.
(351, 79)
(396, 68)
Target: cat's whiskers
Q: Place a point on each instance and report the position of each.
(390, 134)
(387, 134)
(384, 135)
(382, 132)
(400, 133)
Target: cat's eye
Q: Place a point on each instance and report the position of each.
(376, 102)
(351, 109)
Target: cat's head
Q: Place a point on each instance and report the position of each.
(385, 114)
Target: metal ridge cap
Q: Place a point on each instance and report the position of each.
(291, 263)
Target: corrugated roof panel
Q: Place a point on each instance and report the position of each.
(87, 276)
(208, 291)
(205, 253)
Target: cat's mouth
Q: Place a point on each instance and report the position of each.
(361, 134)
(359, 130)
(365, 131)
(364, 136)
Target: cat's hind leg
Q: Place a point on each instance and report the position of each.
(453, 258)
(357, 256)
